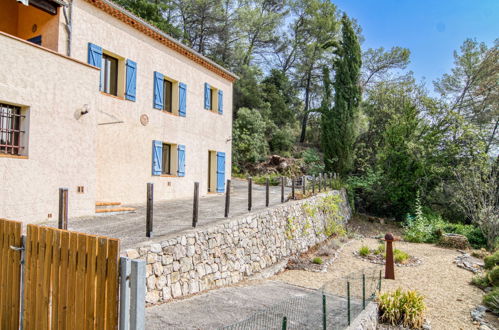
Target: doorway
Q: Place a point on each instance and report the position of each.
(212, 171)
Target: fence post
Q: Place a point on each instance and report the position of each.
(331, 180)
(363, 291)
(303, 182)
(348, 302)
(195, 208)
(250, 193)
(284, 323)
(282, 189)
(320, 181)
(125, 268)
(267, 188)
(149, 212)
(138, 294)
(324, 315)
(379, 281)
(292, 187)
(227, 199)
(63, 208)
(313, 184)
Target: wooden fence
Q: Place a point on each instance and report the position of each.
(10, 273)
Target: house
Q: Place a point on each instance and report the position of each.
(95, 100)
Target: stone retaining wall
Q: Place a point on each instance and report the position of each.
(367, 319)
(230, 250)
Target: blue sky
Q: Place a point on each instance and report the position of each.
(432, 30)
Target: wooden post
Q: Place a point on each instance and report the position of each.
(250, 189)
(293, 187)
(195, 204)
(149, 212)
(320, 181)
(227, 199)
(63, 208)
(313, 184)
(282, 189)
(267, 191)
(389, 264)
(303, 182)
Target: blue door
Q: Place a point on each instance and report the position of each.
(220, 171)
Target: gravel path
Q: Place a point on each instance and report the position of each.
(448, 294)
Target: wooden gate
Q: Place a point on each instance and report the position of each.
(10, 273)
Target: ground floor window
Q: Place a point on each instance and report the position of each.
(11, 129)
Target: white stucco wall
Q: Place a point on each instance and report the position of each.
(61, 149)
(124, 150)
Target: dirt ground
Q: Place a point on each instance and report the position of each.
(448, 295)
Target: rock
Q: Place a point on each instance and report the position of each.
(152, 297)
(185, 264)
(132, 254)
(454, 241)
(167, 293)
(158, 269)
(176, 290)
(156, 248)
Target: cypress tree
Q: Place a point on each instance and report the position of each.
(338, 122)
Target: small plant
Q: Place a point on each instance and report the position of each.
(493, 276)
(492, 260)
(491, 300)
(480, 281)
(364, 251)
(317, 261)
(400, 256)
(380, 250)
(399, 307)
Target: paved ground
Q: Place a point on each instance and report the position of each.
(172, 217)
(260, 305)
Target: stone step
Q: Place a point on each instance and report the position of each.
(116, 210)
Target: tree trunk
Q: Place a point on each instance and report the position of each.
(305, 114)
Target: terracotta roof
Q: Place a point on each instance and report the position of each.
(156, 34)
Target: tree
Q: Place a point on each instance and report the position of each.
(340, 119)
(249, 142)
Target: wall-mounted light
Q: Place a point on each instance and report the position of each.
(83, 111)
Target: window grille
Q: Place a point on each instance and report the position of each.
(10, 129)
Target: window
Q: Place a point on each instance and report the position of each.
(167, 157)
(109, 75)
(213, 99)
(168, 94)
(11, 129)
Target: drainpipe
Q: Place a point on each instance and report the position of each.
(68, 16)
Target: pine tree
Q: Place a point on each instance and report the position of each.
(338, 122)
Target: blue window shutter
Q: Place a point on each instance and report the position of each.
(95, 58)
(181, 160)
(220, 102)
(158, 90)
(182, 99)
(131, 80)
(207, 101)
(157, 157)
(220, 171)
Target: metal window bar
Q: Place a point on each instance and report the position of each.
(10, 129)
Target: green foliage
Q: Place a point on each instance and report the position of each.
(492, 260)
(313, 161)
(480, 281)
(364, 251)
(249, 137)
(274, 179)
(380, 249)
(400, 256)
(402, 307)
(493, 276)
(338, 122)
(317, 261)
(491, 300)
(473, 233)
(290, 228)
(329, 206)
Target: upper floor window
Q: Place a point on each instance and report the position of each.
(109, 75)
(168, 95)
(12, 130)
(213, 99)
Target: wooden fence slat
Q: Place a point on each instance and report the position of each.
(28, 276)
(16, 275)
(112, 284)
(90, 283)
(55, 268)
(46, 281)
(3, 273)
(101, 282)
(63, 280)
(79, 316)
(33, 271)
(72, 283)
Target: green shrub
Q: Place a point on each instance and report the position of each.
(491, 300)
(492, 260)
(274, 179)
(317, 261)
(473, 234)
(406, 308)
(493, 276)
(400, 256)
(364, 251)
(480, 281)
